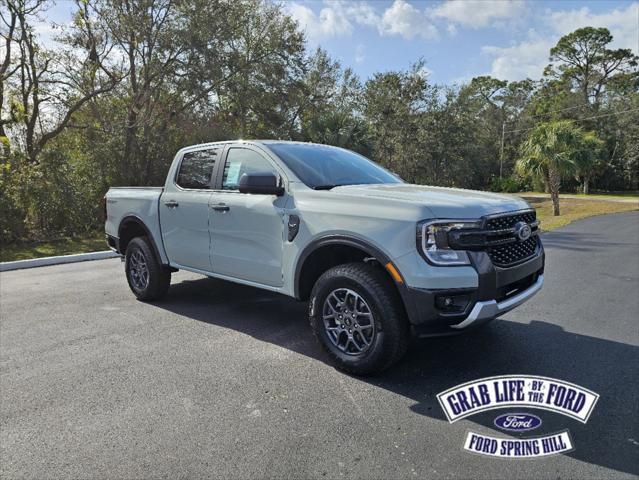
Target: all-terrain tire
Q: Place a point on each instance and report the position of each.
(391, 332)
(158, 277)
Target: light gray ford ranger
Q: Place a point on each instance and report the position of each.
(379, 260)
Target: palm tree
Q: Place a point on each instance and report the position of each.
(340, 129)
(550, 152)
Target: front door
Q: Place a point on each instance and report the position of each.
(184, 210)
(247, 230)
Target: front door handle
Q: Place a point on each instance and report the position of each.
(221, 207)
(172, 204)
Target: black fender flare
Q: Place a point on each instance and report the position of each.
(379, 255)
(138, 221)
(336, 239)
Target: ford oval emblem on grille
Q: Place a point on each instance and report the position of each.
(523, 231)
(518, 422)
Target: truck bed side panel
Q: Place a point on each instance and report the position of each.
(140, 202)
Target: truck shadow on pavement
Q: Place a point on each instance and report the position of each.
(611, 369)
(580, 242)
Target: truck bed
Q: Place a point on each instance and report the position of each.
(140, 202)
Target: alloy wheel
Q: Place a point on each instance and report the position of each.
(138, 270)
(348, 321)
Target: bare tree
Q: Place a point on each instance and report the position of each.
(47, 88)
(8, 31)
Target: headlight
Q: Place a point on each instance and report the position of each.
(432, 241)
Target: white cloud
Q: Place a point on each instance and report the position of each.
(519, 61)
(337, 17)
(362, 13)
(451, 29)
(478, 13)
(404, 19)
(622, 23)
(329, 23)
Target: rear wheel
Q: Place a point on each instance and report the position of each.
(358, 317)
(148, 279)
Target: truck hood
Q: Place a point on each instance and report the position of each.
(442, 202)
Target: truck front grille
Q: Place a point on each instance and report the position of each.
(515, 251)
(498, 237)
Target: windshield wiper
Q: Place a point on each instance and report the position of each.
(328, 187)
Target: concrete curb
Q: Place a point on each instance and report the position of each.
(41, 262)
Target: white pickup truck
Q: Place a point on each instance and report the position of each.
(380, 260)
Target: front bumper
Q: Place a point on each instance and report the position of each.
(499, 290)
(491, 308)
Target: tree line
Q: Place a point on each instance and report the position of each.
(129, 82)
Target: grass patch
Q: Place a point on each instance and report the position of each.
(625, 196)
(575, 209)
(611, 196)
(64, 246)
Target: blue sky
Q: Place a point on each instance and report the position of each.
(458, 39)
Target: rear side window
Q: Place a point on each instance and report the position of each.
(196, 169)
(240, 161)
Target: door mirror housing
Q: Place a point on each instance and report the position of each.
(263, 183)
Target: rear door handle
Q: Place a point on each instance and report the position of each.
(172, 204)
(221, 207)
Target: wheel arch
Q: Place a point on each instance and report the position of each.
(329, 251)
(132, 226)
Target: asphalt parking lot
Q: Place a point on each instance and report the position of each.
(226, 381)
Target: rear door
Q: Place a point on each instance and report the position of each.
(184, 209)
(247, 230)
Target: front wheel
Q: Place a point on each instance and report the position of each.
(358, 317)
(148, 279)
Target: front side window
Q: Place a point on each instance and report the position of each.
(240, 161)
(196, 169)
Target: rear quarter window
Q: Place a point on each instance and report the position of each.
(196, 169)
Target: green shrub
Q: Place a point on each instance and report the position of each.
(511, 184)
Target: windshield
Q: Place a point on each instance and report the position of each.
(325, 167)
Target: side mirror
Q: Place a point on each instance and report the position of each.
(264, 183)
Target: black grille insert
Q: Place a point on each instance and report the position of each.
(515, 251)
(511, 253)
